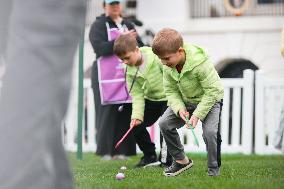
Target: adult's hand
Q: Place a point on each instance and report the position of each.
(130, 32)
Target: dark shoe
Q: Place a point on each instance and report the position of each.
(166, 161)
(148, 161)
(167, 164)
(177, 168)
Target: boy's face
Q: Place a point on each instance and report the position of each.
(173, 59)
(131, 58)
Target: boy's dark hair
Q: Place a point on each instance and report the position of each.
(124, 43)
(167, 41)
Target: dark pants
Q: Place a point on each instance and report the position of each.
(153, 110)
(111, 124)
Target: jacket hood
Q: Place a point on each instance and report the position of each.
(102, 18)
(151, 59)
(194, 56)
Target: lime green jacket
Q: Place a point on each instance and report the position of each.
(198, 83)
(147, 85)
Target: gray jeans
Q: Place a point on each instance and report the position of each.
(169, 123)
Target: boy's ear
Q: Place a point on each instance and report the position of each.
(137, 49)
(181, 49)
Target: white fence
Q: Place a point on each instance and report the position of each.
(236, 120)
(232, 126)
(270, 100)
(70, 125)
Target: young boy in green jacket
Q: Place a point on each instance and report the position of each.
(194, 92)
(144, 75)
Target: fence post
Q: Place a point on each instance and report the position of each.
(247, 113)
(259, 114)
(90, 115)
(80, 100)
(225, 117)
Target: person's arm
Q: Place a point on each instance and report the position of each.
(172, 92)
(99, 39)
(213, 89)
(139, 41)
(137, 94)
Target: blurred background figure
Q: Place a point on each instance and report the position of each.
(110, 123)
(38, 49)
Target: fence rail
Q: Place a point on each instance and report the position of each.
(236, 120)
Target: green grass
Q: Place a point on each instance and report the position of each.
(238, 171)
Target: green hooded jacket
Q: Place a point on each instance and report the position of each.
(147, 85)
(198, 83)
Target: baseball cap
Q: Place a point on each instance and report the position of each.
(112, 1)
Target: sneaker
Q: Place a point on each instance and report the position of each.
(119, 157)
(148, 161)
(106, 157)
(167, 164)
(177, 168)
(214, 171)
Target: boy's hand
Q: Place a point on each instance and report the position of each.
(135, 122)
(193, 121)
(183, 113)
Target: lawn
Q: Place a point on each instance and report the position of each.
(238, 171)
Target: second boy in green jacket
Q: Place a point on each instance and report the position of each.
(144, 75)
(194, 92)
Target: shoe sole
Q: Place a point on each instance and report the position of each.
(179, 171)
(157, 163)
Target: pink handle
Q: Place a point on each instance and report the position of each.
(124, 136)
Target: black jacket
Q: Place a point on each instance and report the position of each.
(99, 38)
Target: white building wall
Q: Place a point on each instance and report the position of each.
(261, 48)
(254, 38)
(158, 14)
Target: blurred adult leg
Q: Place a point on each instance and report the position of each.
(111, 124)
(43, 37)
(5, 12)
(106, 116)
(128, 147)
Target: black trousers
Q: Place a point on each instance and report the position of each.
(153, 110)
(110, 124)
